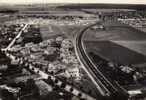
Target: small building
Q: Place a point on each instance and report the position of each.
(66, 43)
(65, 60)
(3, 67)
(59, 39)
(25, 52)
(15, 48)
(49, 50)
(43, 44)
(55, 66)
(73, 72)
(31, 44)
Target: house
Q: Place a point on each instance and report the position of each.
(49, 50)
(59, 39)
(66, 43)
(55, 66)
(73, 72)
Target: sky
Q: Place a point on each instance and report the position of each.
(72, 1)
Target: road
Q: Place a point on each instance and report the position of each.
(57, 82)
(14, 40)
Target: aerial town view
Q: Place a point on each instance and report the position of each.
(72, 52)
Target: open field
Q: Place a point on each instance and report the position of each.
(101, 5)
(116, 33)
(138, 46)
(116, 53)
(49, 31)
(118, 43)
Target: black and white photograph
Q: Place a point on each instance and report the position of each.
(72, 49)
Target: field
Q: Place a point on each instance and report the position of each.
(116, 53)
(49, 31)
(114, 32)
(118, 43)
(138, 46)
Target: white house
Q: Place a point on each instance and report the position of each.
(73, 72)
(66, 43)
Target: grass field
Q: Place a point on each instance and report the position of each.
(120, 44)
(138, 46)
(116, 53)
(49, 31)
(124, 33)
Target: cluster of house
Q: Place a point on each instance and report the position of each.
(67, 54)
(134, 22)
(42, 21)
(55, 56)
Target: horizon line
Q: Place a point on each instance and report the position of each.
(70, 3)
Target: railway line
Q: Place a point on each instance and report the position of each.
(105, 87)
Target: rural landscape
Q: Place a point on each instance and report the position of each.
(72, 52)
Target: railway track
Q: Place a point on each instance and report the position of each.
(105, 87)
